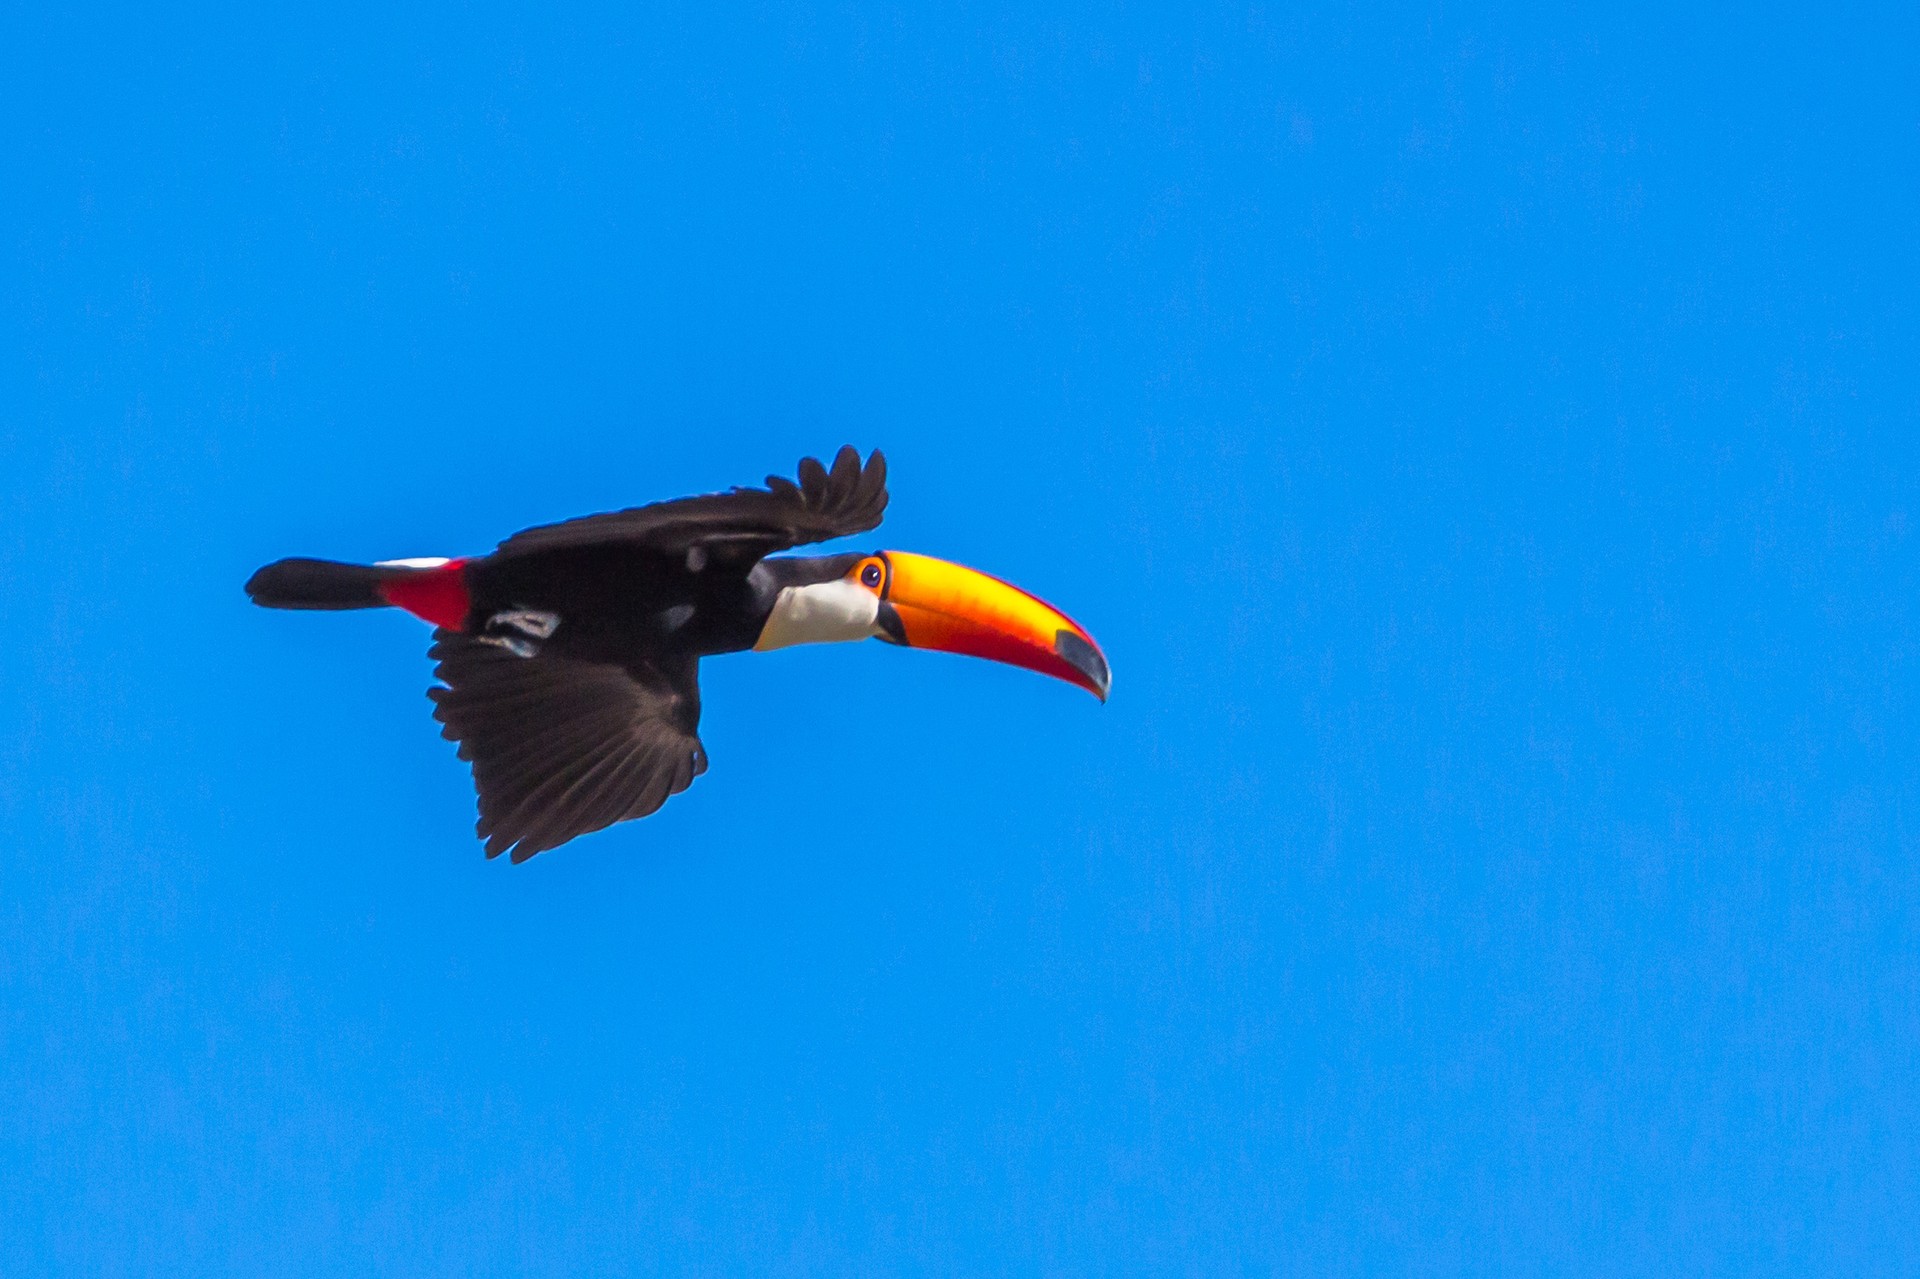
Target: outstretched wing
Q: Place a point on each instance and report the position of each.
(561, 746)
(744, 523)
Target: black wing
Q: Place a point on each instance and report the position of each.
(562, 746)
(744, 523)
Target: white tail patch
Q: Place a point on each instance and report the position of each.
(430, 561)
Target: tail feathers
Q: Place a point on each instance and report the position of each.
(302, 583)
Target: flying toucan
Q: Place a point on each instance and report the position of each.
(568, 659)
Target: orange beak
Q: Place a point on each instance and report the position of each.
(929, 603)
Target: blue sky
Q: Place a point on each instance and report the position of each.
(1482, 438)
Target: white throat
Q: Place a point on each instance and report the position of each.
(819, 614)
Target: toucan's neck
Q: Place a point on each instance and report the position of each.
(808, 600)
(717, 611)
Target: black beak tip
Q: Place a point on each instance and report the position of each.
(1086, 659)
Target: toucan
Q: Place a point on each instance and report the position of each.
(567, 660)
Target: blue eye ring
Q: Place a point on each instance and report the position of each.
(870, 575)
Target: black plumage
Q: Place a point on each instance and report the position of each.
(598, 723)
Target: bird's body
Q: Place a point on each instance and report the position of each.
(568, 658)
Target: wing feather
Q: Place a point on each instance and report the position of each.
(743, 522)
(562, 746)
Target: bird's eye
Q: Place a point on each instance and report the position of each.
(870, 575)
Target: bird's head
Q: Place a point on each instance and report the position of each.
(917, 601)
